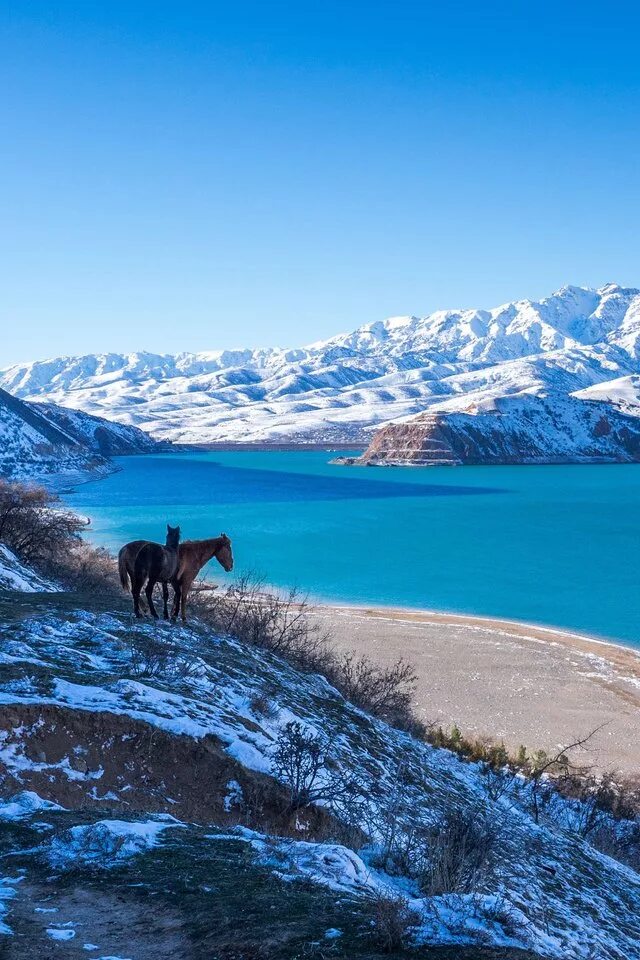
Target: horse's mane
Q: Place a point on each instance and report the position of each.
(198, 543)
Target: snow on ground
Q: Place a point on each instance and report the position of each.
(61, 933)
(16, 576)
(569, 901)
(25, 804)
(107, 842)
(7, 893)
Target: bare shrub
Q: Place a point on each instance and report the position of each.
(400, 824)
(393, 922)
(385, 692)
(279, 623)
(303, 763)
(88, 569)
(622, 843)
(153, 657)
(560, 764)
(45, 536)
(33, 526)
(262, 705)
(460, 854)
(498, 782)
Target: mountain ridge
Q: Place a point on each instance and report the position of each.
(341, 388)
(41, 441)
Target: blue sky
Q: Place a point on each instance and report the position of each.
(188, 176)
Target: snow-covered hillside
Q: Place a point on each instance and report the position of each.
(339, 388)
(147, 777)
(43, 441)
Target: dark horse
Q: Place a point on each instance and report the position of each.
(155, 562)
(127, 561)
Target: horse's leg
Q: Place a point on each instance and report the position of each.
(176, 598)
(136, 587)
(149, 594)
(185, 588)
(165, 599)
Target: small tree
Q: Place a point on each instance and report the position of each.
(301, 760)
(542, 764)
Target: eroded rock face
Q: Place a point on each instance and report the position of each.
(512, 430)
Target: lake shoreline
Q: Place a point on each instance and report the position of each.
(505, 680)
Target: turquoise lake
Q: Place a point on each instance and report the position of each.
(556, 545)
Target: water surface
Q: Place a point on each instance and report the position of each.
(556, 545)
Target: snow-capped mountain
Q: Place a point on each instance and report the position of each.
(40, 441)
(339, 389)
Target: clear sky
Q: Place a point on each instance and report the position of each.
(189, 176)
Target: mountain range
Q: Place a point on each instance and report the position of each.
(578, 342)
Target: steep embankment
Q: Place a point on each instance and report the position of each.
(160, 744)
(518, 429)
(43, 441)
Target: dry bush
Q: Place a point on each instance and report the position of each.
(303, 763)
(392, 922)
(153, 657)
(498, 781)
(262, 705)
(622, 845)
(279, 623)
(461, 850)
(88, 569)
(47, 537)
(34, 527)
(385, 692)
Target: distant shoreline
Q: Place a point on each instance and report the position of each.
(265, 447)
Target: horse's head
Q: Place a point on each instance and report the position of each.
(173, 537)
(224, 556)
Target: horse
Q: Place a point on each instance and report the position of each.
(127, 561)
(193, 554)
(155, 562)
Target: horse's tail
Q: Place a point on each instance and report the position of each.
(122, 570)
(142, 566)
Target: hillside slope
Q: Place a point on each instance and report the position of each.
(42, 441)
(164, 765)
(339, 388)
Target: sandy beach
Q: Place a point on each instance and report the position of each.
(512, 681)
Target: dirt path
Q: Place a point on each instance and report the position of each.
(99, 923)
(511, 681)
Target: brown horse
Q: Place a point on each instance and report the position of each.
(155, 563)
(193, 556)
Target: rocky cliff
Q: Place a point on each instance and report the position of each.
(519, 429)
